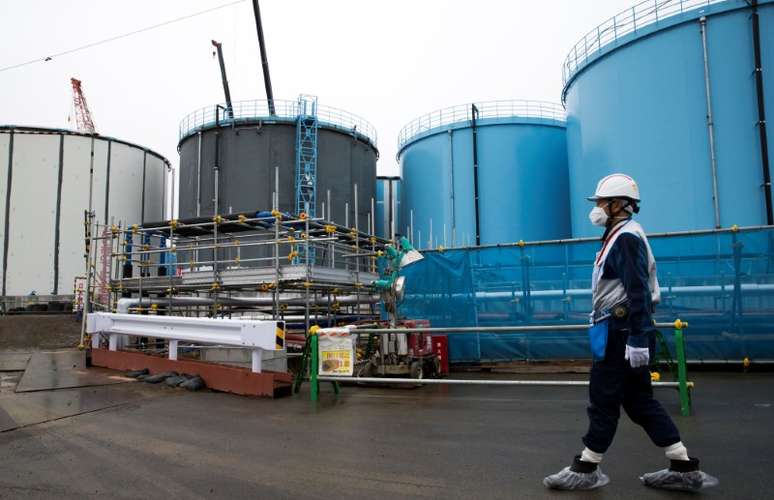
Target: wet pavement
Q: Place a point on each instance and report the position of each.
(434, 442)
(64, 369)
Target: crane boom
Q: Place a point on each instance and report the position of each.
(229, 108)
(264, 59)
(83, 118)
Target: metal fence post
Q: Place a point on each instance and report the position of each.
(682, 369)
(314, 363)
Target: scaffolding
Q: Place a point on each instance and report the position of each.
(261, 265)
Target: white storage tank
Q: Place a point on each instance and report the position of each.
(46, 180)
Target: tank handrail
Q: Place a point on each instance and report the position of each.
(284, 110)
(626, 22)
(487, 109)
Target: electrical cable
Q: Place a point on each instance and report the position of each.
(118, 37)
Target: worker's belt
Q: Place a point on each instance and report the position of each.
(618, 311)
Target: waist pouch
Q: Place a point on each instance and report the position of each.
(598, 339)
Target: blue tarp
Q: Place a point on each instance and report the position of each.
(721, 283)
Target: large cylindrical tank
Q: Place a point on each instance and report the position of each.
(387, 206)
(254, 144)
(640, 100)
(45, 185)
(512, 158)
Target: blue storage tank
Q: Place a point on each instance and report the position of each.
(518, 166)
(638, 102)
(387, 205)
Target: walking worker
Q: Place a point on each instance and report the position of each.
(624, 292)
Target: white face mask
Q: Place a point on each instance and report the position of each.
(598, 217)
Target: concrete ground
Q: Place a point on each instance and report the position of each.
(434, 442)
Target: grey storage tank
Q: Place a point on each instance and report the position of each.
(240, 150)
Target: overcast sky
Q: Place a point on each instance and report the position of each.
(387, 61)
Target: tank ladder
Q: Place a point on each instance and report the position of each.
(306, 163)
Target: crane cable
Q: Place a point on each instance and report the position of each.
(118, 37)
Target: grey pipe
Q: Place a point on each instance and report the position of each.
(710, 123)
(442, 381)
(486, 329)
(198, 178)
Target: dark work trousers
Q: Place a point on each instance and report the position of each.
(614, 383)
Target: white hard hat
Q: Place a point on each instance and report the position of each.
(616, 186)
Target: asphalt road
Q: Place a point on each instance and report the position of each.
(434, 442)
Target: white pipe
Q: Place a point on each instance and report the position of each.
(126, 303)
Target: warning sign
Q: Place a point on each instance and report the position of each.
(337, 352)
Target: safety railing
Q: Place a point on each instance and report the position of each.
(284, 110)
(486, 110)
(682, 384)
(254, 335)
(628, 21)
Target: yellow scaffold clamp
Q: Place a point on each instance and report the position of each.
(173, 224)
(330, 229)
(291, 239)
(293, 254)
(242, 218)
(218, 220)
(680, 325)
(276, 214)
(237, 260)
(380, 253)
(215, 286)
(441, 248)
(372, 239)
(521, 243)
(114, 230)
(135, 228)
(307, 284)
(314, 329)
(734, 228)
(173, 249)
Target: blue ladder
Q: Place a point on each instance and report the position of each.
(306, 164)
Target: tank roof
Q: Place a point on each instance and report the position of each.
(489, 112)
(286, 112)
(24, 129)
(638, 21)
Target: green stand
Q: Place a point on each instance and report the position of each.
(682, 369)
(314, 365)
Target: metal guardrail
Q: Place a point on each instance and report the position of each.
(249, 334)
(489, 109)
(628, 21)
(327, 116)
(683, 385)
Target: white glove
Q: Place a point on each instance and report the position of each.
(637, 356)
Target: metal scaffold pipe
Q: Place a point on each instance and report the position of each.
(490, 329)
